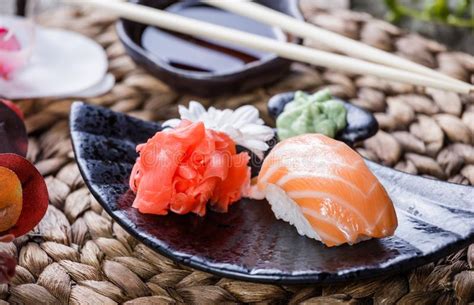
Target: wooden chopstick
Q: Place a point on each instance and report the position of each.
(173, 22)
(336, 41)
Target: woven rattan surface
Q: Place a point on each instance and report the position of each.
(79, 255)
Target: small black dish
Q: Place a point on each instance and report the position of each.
(361, 124)
(435, 218)
(253, 74)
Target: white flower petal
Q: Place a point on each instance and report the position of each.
(257, 147)
(233, 133)
(247, 113)
(186, 114)
(255, 144)
(243, 115)
(173, 123)
(213, 112)
(259, 131)
(196, 108)
(223, 117)
(243, 126)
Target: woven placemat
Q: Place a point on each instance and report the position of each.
(78, 255)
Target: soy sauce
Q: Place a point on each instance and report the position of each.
(203, 54)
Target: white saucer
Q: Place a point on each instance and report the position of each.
(63, 64)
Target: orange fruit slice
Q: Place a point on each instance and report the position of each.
(11, 198)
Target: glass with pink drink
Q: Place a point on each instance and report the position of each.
(16, 44)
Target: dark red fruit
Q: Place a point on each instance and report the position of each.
(7, 262)
(7, 267)
(14, 107)
(13, 136)
(35, 193)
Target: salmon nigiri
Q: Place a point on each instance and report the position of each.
(324, 188)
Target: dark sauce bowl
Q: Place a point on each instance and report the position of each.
(251, 75)
(361, 124)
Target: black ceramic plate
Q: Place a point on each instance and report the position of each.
(361, 124)
(435, 218)
(254, 74)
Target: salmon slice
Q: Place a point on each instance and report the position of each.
(327, 191)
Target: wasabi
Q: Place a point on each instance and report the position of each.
(315, 113)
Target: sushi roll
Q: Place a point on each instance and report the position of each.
(323, 188)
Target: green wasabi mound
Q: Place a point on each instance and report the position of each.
(312, 113)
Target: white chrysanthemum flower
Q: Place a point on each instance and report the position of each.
(243, 125)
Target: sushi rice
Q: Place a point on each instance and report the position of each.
(287, 210)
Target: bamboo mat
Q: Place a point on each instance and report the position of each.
(78, 255)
